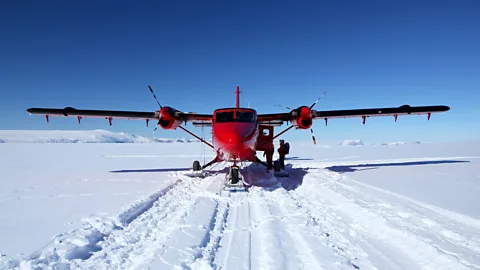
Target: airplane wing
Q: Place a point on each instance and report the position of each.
(72, 112)
(166, 114)
(395, 111)
(304, 113)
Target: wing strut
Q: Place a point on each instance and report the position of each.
(202, 140)
(287, 129)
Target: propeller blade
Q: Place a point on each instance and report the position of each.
(153, 132)
(313, 136)
(151, 90)
(288, 108)
(318, 99)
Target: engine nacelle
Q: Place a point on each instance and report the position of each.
(168, 119)
(302, 117)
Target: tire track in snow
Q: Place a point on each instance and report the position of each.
(194, 232)
(375, 231)
(316, 232)
(451, 233)
(206, 254)
(138, 243)
(82, 243)
(122, 241)
(235, 245)
(278, 243)
(283, 235)
(140, 207)
(205, 224)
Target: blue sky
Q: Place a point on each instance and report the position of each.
(102, 55)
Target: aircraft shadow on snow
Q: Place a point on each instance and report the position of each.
(256, 175)
(152, 170)
(372, 166)
(164, 170)
(297, 158)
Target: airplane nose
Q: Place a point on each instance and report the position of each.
(233, 142)
(234, 139)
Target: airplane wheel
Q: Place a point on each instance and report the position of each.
(196, 166)
(235, 176)
(276, 166)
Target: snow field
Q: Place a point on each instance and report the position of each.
(337, 210)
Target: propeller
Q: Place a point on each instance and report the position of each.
(159, 116)
(311, 129)
(281, 106)
(151, 90)
(318, 99)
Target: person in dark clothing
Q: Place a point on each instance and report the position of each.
(269, 154)
(281, 153)
(287, 148)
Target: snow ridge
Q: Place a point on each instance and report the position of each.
(394, 143)
(80, 136)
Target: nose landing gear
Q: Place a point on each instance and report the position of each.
(234, 180)
(234, 176)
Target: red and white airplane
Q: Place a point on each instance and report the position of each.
(237, 133)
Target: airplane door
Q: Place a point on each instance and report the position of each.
(265, 137)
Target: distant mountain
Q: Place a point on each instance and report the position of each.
(81, 136)
(394, 143)
(351, 143)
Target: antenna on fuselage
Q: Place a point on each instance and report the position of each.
(237, 93)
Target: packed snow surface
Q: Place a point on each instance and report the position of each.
(130, 206)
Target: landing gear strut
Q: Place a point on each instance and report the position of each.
(234, 180)
(234, 176)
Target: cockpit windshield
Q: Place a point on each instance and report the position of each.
(247, 116)
(235, 116)
(223, 117)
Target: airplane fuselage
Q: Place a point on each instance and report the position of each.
(234, 134)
